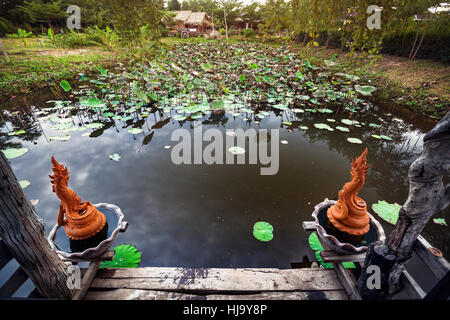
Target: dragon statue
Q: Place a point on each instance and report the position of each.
(81, 220)
(349, 214)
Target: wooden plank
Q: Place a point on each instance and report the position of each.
(331, 256)
(438, 264)
(348, 281)
(217, 279)
(87, 280)
(107, 256)
(136, 294)
(411, 287)
(35, 294)
(5, 255)
(13, 283)
(309, 225)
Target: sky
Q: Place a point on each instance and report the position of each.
(247, 2)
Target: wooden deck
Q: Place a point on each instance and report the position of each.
(215, 284)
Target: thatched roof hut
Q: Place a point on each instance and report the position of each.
(198, 20)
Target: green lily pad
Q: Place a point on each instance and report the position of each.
(65, 85)
(387, 211)
(16, 133)
(24, 183)
(114, 157)
(102, 71)
(316, 246)
(280, 106)
(440, 221)
(94, 125)
(12, 153)
(349, 122)
(263, 231)
(126, 256)
(323, 126)
(343, 129)
(206, 66)
(179, 117)
(354, 140)
(385, 137)
(60, 138)
(365, 90)
(135, 130)
(324, 110)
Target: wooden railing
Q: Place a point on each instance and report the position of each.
(430, 256)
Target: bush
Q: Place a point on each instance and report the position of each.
(164, 32)
(78, 40)
(248, 32)
(222, 31)
(434, 46)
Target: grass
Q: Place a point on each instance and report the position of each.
(33, 67)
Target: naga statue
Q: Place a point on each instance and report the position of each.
(349, 214)
(81, 220)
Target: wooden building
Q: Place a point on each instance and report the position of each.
(199, 21)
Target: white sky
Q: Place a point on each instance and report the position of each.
(246, 2)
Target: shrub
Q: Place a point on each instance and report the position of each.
(248, 32)
(222, 31)
(21, 34)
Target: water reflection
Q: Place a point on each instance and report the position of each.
(200, 215)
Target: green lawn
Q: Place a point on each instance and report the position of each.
(32, 67)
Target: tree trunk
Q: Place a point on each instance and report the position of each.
(305, 38)
(225, 19)
(421, 40)
(414, 45)
(328, 40)
(23, 233)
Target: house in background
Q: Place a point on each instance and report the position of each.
(196, 22)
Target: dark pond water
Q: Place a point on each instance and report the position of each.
(203, 215)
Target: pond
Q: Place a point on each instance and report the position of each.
(200, 215)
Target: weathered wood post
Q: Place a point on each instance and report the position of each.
(22, 231)
(427, 196)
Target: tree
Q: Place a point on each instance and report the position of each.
(42, 12)
(174, 5)
(252, 13)
(131, 17)
(230, 11)
(276, 14)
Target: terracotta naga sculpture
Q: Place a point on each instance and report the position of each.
(349, 214)
(82, 220)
